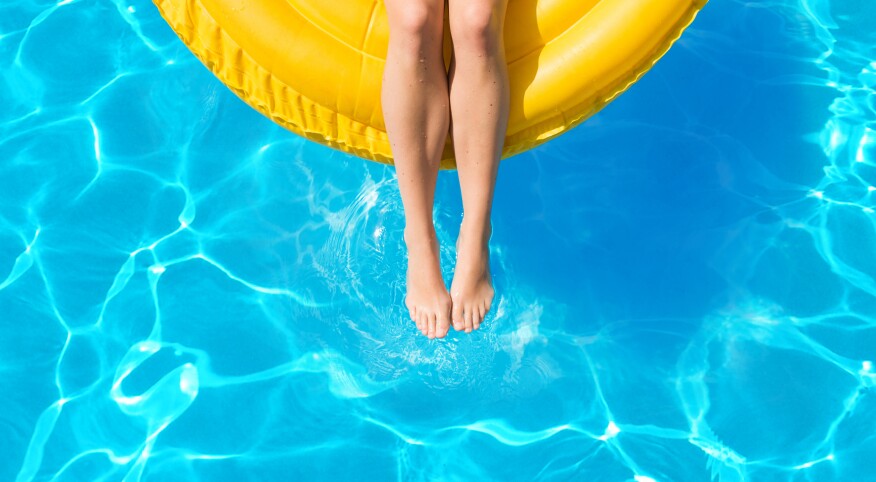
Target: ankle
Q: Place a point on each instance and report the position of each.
(476, 229)
(420, 235)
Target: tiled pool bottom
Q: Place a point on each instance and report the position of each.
(685, 283)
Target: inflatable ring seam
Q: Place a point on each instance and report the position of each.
(341, 41)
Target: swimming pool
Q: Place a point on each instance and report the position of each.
(686, 283)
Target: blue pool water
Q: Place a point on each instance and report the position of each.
(686, 283)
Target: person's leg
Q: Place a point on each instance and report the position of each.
(416, 111)
(479, 98)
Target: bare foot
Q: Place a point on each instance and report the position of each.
(472, 288)
(427, 298)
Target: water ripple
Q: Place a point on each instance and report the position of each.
(685, 284)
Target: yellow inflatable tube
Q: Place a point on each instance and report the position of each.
(315, 66)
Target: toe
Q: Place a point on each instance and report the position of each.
(425, 323)
(443, 324)
(422, 324)
(432, 324)
(456, 316)
(467, 316)
(417, 317)
(481, 313)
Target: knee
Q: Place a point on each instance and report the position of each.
(476, 28)
(415, 23)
